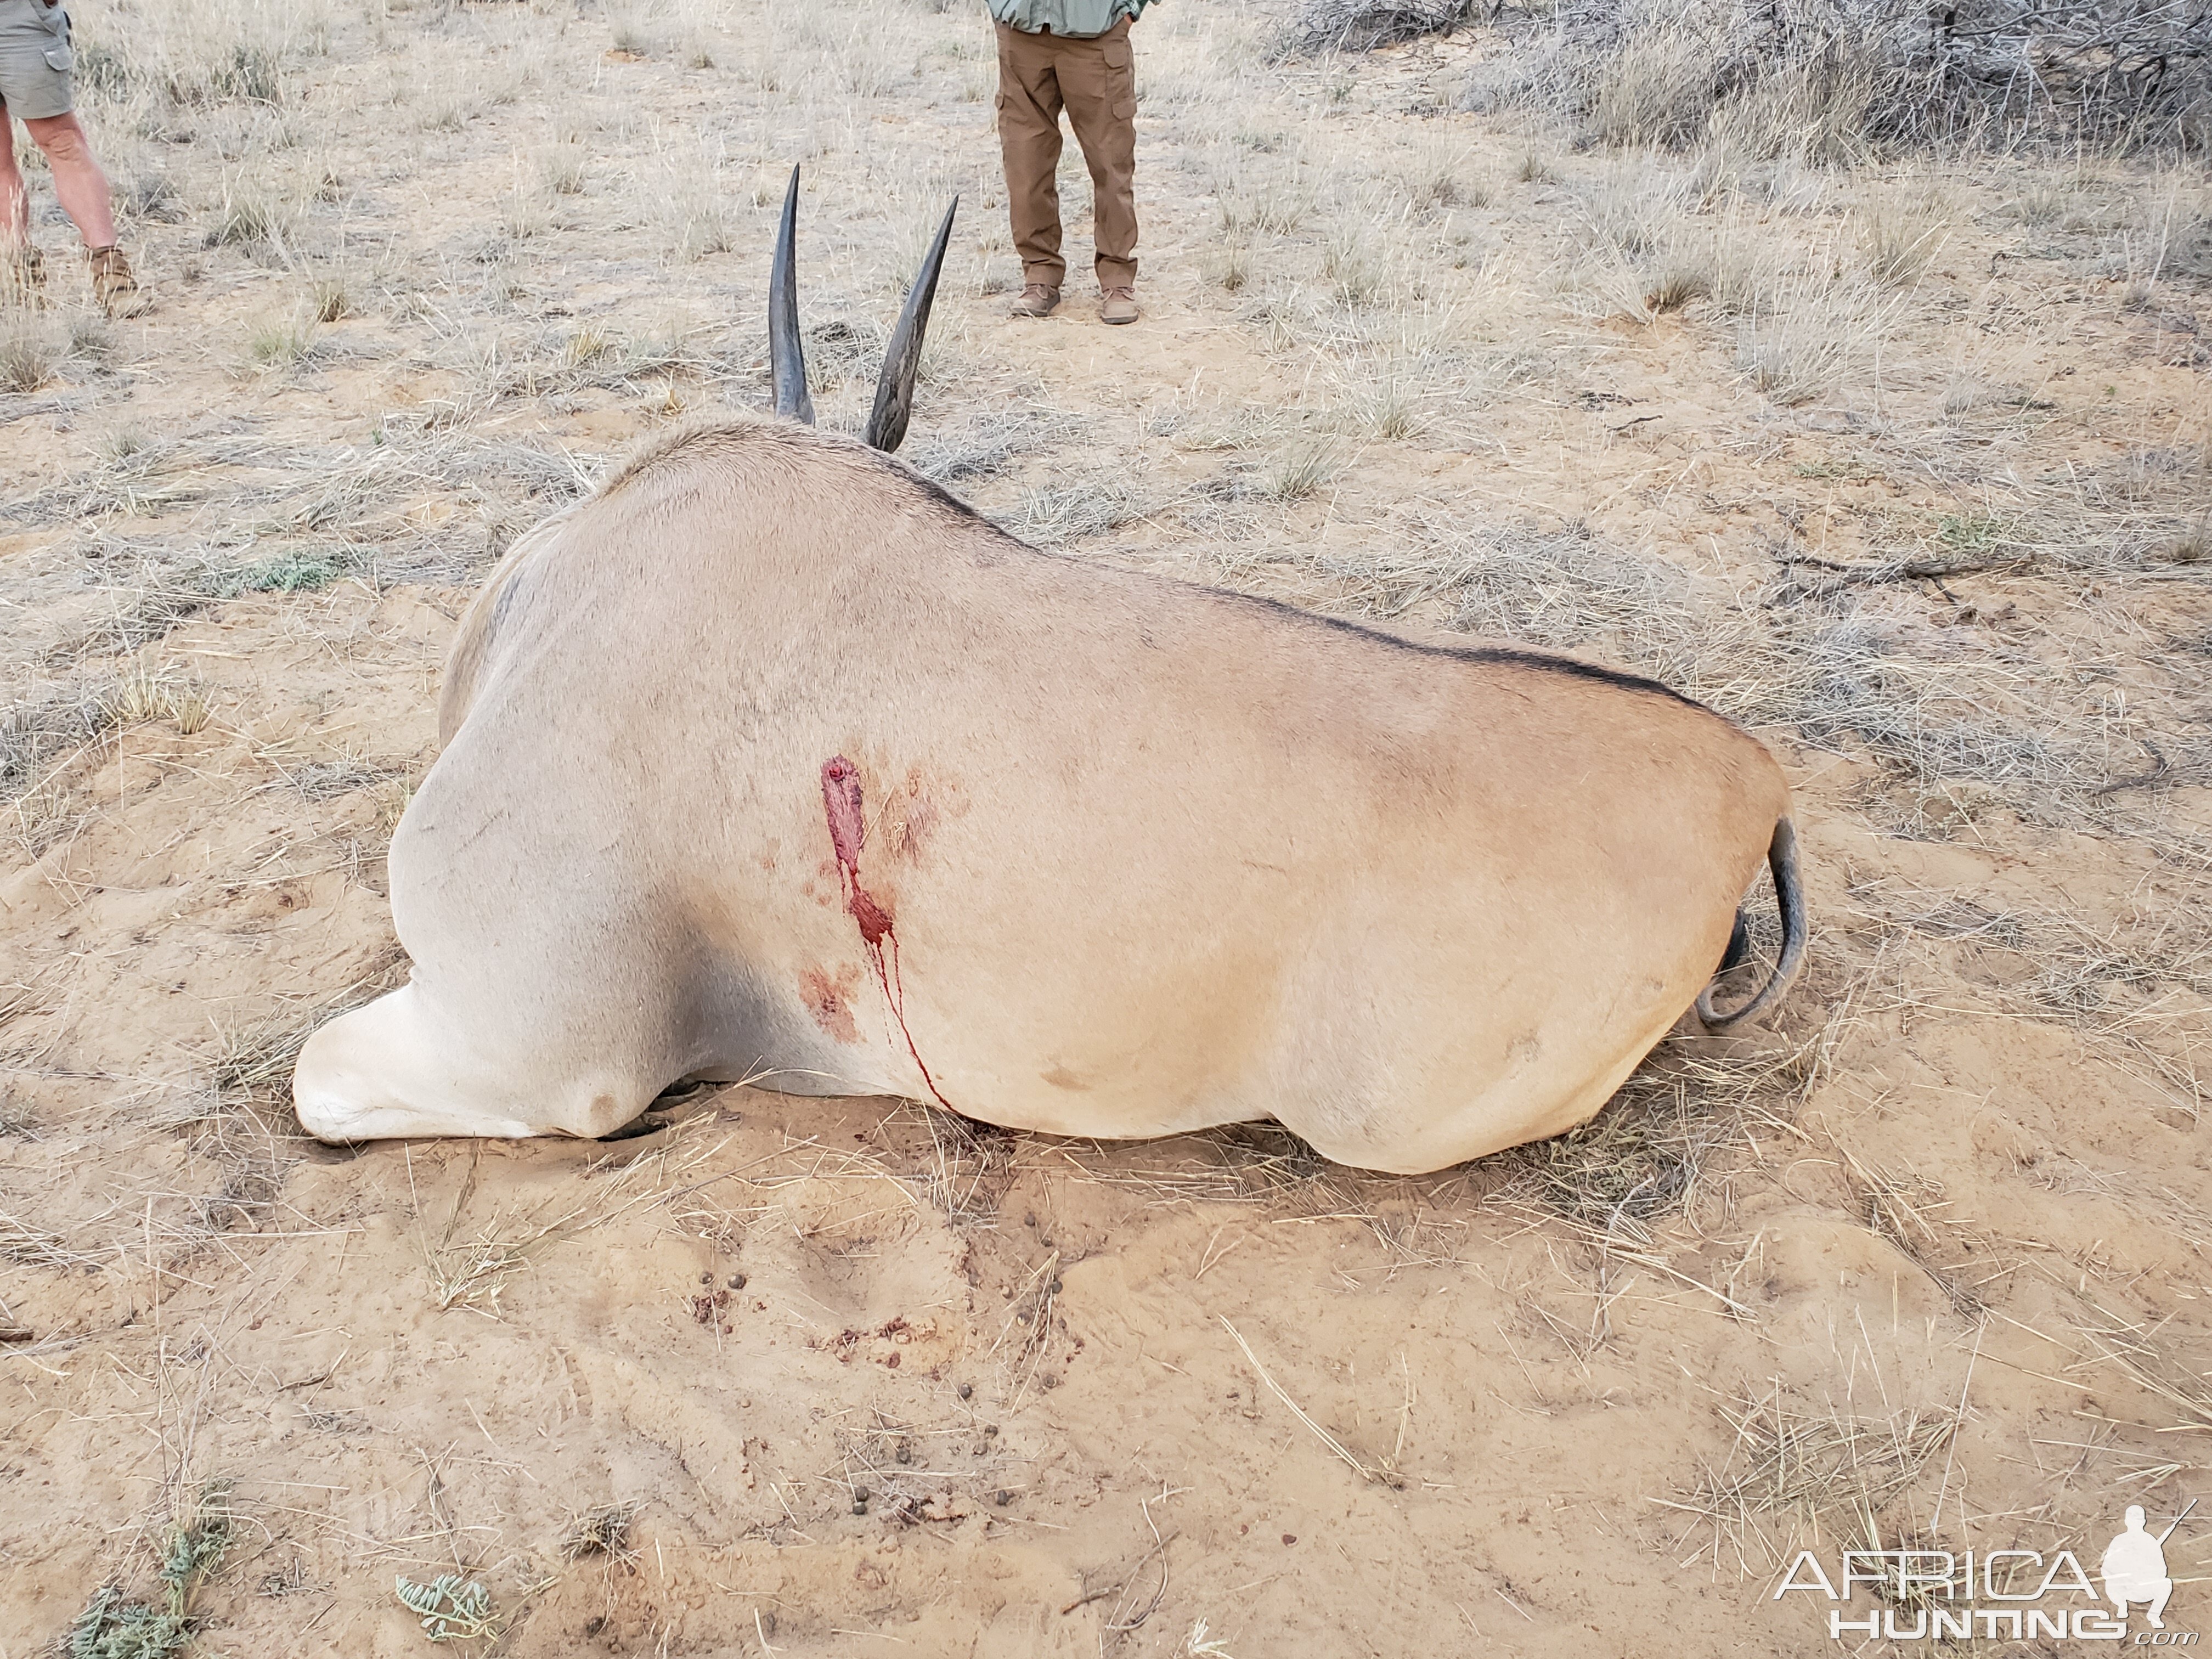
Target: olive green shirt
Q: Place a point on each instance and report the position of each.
(1079, 19)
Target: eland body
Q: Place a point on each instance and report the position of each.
(772, 761)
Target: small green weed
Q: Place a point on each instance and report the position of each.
(112, 1626)
(1970, 533)
(282, 342)
(294, 570)
(451, 1608)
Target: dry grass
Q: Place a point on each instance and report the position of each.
(30, 1246)
(2143, 1352)
(1839, 83)
(603, 1531)
(257, 1057)
(1819, 1468)
(473, 1273)
(1899, 246)
(143, 694)
(1913, 1212)
(28, 357)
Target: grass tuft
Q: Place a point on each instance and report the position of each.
(1898, 248)
(27, 358)
(602, 1531)
(142, 695)
(282, 343)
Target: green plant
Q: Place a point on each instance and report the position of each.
(282, 342)
(249, 218)
(294, 570)
(113, 1627)
(451, 1608)
(1970, 533)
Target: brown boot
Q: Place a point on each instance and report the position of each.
(23, 277)
(1118, 305)
(1037, 301)
(113, 286)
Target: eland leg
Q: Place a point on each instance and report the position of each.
(400, 1068)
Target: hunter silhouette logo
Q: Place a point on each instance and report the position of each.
(2135, 1567)
(2012, 1595)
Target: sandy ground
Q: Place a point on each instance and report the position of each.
(1926, 1263)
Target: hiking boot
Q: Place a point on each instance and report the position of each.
(1118, 305)
(23, 275)
(1036, 300)
(113, 286)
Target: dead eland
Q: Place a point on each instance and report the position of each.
(773, 761)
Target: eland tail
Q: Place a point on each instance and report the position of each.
(1790, 900)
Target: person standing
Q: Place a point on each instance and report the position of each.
(36, 89)
(1072, 55)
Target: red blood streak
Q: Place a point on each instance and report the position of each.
(848, 832)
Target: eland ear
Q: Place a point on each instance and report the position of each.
(903, 357)
(786, 358)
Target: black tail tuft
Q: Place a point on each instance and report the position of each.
(1789, 899)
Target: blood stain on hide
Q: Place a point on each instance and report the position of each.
(830, 1001)
(848, 832)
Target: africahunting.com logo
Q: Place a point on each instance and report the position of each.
(1932, 1596)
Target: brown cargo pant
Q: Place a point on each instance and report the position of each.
(1095, 81)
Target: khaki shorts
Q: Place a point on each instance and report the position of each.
(35, 60)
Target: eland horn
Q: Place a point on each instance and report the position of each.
(786, 358)
(903, 357)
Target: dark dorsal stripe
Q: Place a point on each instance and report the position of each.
(1498, 656)
(1507, 655)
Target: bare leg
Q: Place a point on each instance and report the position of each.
(15, 200)
(79, 185)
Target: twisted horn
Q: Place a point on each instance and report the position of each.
(786, 358)
(903, 357)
